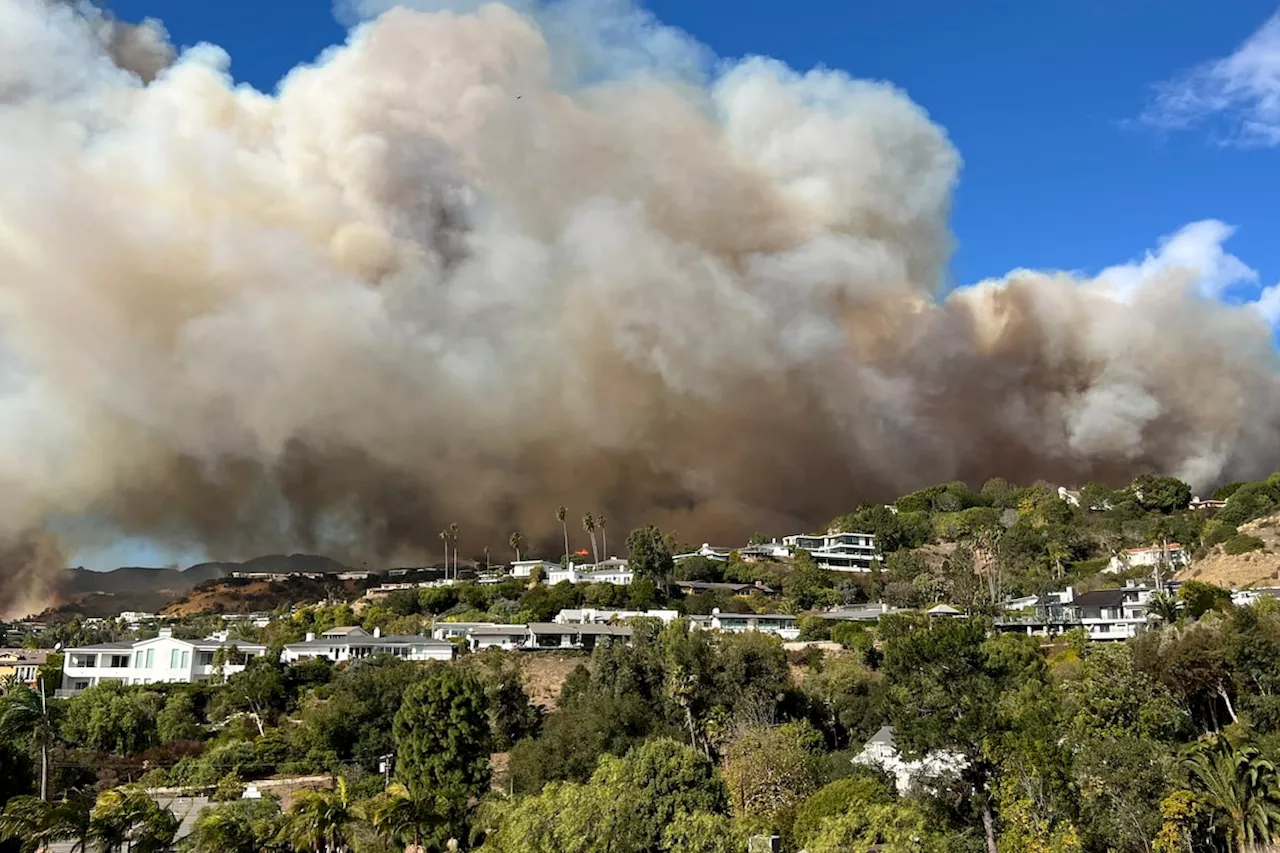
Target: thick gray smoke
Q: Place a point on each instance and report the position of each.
(475, 264)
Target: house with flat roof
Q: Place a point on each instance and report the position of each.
(524, 569)
(779, 624)
(694, 587)
(1172, 556)
(161, 659)
(839, 552)
(612, 571)
(356, 644)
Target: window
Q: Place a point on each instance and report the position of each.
(173, 658)
(139, 659)
(204, 659)
(186, 660)
(151, 661)
(119, 662)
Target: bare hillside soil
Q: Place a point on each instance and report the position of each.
(1256, 568)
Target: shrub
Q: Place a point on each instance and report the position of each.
(1242, 543)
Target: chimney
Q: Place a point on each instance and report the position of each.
(166, 632)
(310, 636)
(377, 632)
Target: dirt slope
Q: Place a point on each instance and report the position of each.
(1256, 568)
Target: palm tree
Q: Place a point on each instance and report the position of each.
(604, 537)
(444, 537)
(1241, 787)
(24, 710)
(453, 536)
(242, 826)
(36, 825)
(1163, 605)
(128, 819)
(561, 513)
(321, 820)
(401, 814)
(516, 541)
(589, 525)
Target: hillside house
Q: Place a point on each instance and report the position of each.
(162, 659)
(351, 644)
(839, 552)
(1171, 556)
(882, 752)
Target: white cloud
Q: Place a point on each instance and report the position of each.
(1195, 249)
(1240, 93)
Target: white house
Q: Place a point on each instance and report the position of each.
(482, 635)
(779, 624)
(356, 644)
(612, 571)
(839, 552)
(591, 616)
(1250, 597)
(1172, 556)
(524, 568)
(161, 659)
(882, 752)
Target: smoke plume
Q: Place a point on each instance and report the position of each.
(481, 261)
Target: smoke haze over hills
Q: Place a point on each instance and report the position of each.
(485, 260)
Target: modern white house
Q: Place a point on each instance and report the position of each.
(348, 644)
(162, 659)
(612, 571)
(592, 616)
(839, 552)
(779, 624)
(1171, 556)
(1105, 614)
(882, 752)
(524, 568)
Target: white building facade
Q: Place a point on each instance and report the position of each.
(839, 552)
(357, 644)
(1171, 556)
(162, 659)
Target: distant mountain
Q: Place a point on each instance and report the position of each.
(137, 587)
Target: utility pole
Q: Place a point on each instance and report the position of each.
(385, 767)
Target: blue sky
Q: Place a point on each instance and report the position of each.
(1042, 99)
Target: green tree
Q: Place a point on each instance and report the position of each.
(771, 771)
(23, 711)
(37, 824)
(404, 815)
(128, 819)
(1240, 786)
(178, 720)
(243, 826)
(945, 690)
(852, 793)
(443, 741)
(649, 555)
(1162, 494)
(1200, 597)
(321, 820)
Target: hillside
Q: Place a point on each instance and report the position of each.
(1255, 568)
(234, 595)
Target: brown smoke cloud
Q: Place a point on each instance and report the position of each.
(471, 266)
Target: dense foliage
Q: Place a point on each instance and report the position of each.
(690, 740)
